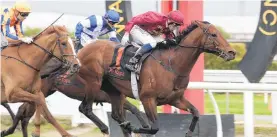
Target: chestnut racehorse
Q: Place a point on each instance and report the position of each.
(163, 78)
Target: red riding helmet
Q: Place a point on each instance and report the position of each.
(176, 16)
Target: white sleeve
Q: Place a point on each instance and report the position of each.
(85, 23)
(112, 34)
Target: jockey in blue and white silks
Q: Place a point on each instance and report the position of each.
(93, 26)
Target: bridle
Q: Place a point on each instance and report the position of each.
(210, 40)
(50, 53)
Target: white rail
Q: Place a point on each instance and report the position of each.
(248, 89)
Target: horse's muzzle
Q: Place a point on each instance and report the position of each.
(230, 55)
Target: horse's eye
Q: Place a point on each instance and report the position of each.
(214, 35)
(64, 45)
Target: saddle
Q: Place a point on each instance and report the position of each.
(121, 57)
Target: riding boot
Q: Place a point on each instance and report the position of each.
(78, 47)
(134, 60)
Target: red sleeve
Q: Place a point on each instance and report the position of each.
(147, 19)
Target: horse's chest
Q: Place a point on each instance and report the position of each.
(31, 86)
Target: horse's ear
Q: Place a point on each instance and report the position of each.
(196, 22)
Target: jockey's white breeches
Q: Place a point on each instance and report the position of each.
(140, 36)
(4, 41)
(85, 39)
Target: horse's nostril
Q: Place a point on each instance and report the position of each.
(76, 66)
(232, 53)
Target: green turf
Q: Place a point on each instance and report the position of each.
(45, 126)
(236, 104)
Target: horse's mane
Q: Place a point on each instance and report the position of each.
(54, 28)
(191, 27)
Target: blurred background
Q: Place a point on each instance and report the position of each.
(239, 21)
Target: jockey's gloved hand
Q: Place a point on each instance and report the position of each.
(125, 39)
(27, 40)
(171, 42)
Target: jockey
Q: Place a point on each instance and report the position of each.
(13, 17)
(148, 29)
(89, 29)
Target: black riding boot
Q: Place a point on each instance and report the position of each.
(134, 60)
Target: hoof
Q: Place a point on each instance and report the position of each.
(3, 133)
(106, 135)
(33, 135)
(105, 131)
(189, 134)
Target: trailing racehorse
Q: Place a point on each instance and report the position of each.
(163, 77)
(72, 87)
(21, 64)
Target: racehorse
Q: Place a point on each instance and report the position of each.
(163, 77)
(21, 64)
(54, 80)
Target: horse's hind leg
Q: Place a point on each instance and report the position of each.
(29, 110)
(136, 112)
(185, 105)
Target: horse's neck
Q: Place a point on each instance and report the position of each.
(186, 57)
(35, 56)
(184, 60)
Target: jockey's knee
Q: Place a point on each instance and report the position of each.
(153, 44)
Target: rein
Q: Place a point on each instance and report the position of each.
(50, 53)
(203, 48)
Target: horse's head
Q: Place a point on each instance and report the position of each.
(206, 37)
(61, 47)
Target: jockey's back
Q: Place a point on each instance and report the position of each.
(93, 26)
(89, 29)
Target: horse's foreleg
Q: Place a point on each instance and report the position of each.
(118, 113)
(7, 106)
(11, 129)
(20, 95)
(20, 115)
(24, 125)
(28, 113)
(150, 107)
(86, 108)
(48, 116)
(136, 112)
(37, 121)
(185, 105)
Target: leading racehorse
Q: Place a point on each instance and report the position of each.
(164, 74)
(21, 64)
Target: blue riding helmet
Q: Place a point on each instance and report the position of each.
(112, 16)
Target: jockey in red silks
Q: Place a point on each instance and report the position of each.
(148, 29)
